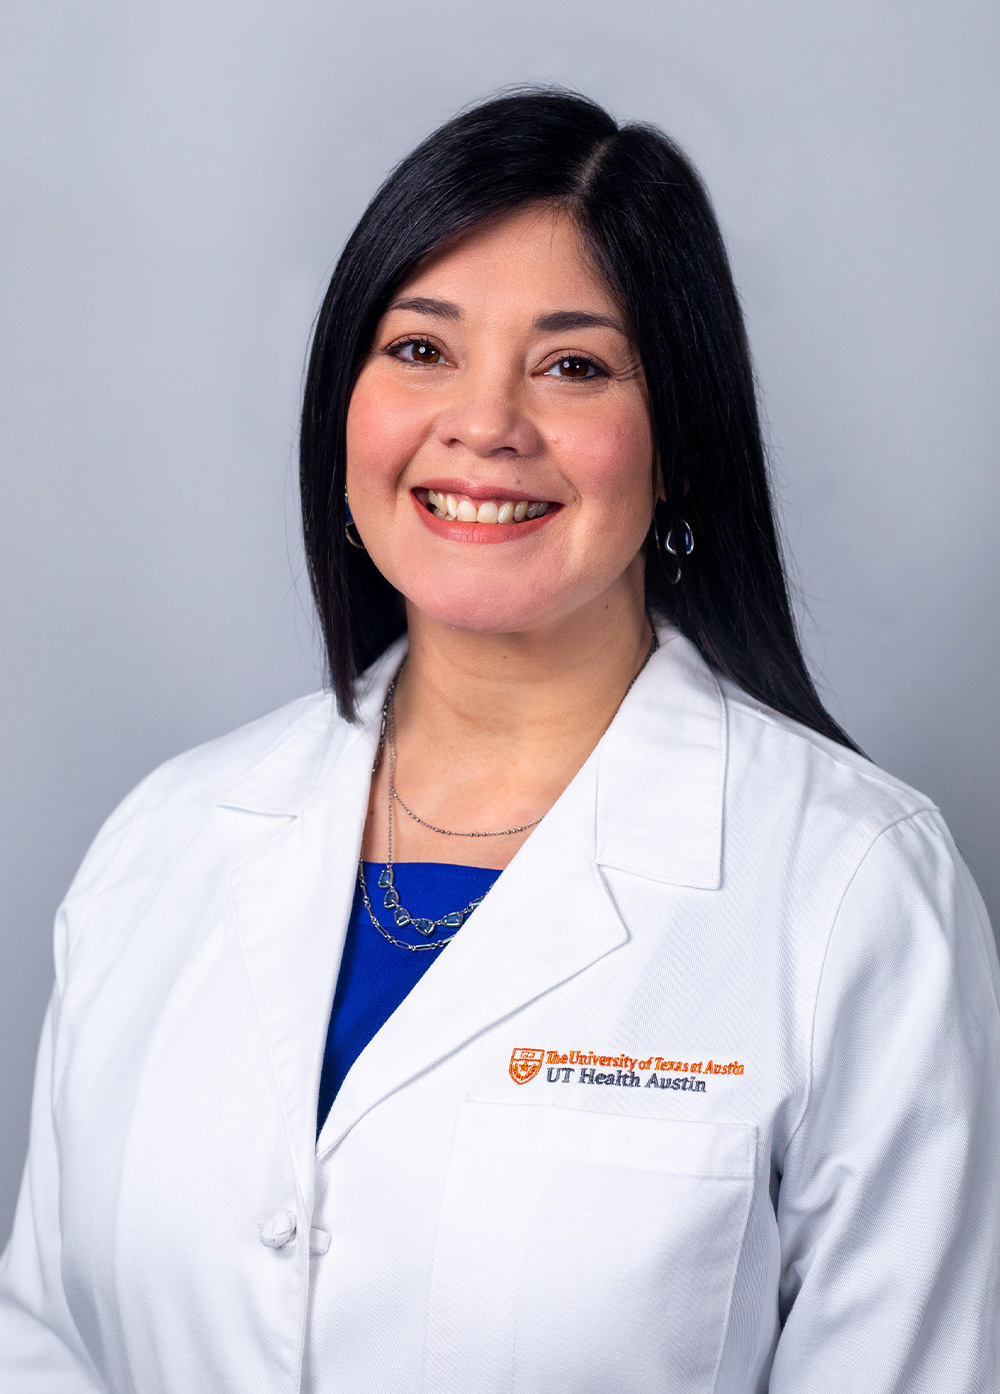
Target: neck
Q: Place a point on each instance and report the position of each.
(490, 728)
(527, 687)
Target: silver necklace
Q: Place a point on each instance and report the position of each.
(387, 878)
(390, 740)
(386, 881)
(403, 916)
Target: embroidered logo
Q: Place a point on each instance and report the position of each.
(525, 1063)
(585, 1067)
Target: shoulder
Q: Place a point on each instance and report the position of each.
(840, 835)
(879, 901)
(270, 765)
(287, 740)
(284, 748)
(297, 729)
(182, 813)
(812, 778)
(700, 785)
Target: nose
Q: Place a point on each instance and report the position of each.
(488, 416)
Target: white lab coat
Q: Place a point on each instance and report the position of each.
(781, 1172)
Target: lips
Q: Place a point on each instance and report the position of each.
(458, 516)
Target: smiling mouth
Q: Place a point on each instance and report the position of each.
(461, 509)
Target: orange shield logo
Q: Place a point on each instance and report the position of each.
(525, 1063)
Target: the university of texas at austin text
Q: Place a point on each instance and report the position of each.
(622, 1071)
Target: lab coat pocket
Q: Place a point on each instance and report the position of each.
(585, 1253)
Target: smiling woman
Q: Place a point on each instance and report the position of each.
(307, 1116)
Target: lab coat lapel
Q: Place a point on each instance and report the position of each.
(291, 900)
(548, 917)
(291, 897)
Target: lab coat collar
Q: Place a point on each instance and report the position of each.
(661, 766)
(662, 772)
(298, 766)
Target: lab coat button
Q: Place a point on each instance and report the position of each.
(319, 1241)
(278, 1230)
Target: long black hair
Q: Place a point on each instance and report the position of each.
(644, 214)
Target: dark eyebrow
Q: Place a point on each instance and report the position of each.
(562, 320)
(422, 305)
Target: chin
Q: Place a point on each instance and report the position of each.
(483, 611)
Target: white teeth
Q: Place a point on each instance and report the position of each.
(489, 511)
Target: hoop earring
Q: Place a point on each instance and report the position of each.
(351, 528)
(684, 540)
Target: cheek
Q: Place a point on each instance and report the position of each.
(383, 431)
(610, 460)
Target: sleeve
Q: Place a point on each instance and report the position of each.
(41, 1349)
(889, 1200)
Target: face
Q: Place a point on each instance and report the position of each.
(499, 452)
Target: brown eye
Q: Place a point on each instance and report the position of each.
(573, 367)
(416, 351)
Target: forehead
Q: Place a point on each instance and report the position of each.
(532, 259)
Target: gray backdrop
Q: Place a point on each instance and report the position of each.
(178, 178)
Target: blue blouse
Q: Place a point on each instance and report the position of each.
(375, 975)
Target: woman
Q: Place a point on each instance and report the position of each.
(654, 1031)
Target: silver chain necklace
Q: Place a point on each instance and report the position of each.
(390, 740)
(386, 881)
